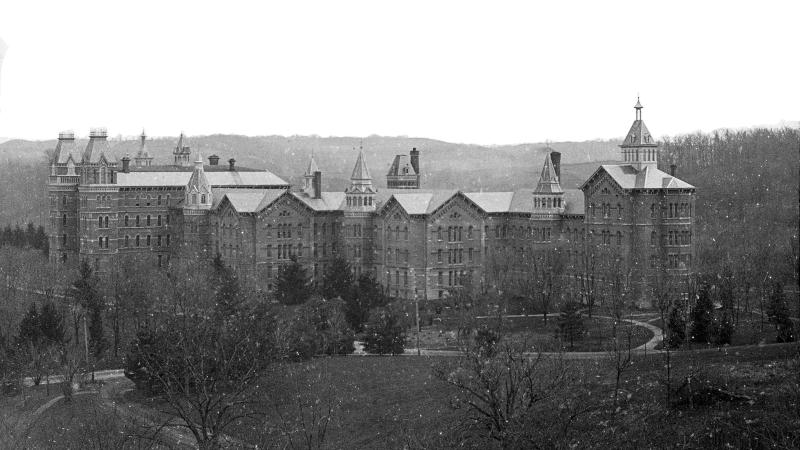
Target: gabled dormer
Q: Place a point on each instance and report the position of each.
(639, 149)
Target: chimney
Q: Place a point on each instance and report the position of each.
(415, 159)
(231, 164)
(555, 157)
(317, 184)
(672, 168)
(98, 133)
(213, 160)
(126, 164)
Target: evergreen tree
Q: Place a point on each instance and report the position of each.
(227, 291)
(52, 324)
(702, 316)
(384, 334)
(87, 295)
(570, 323)
(337, 281)
(368, 295)
(676, 328)
(292, 287)
(30, 329)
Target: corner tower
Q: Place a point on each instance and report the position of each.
(639, 149)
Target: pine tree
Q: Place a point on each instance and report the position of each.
(570, 323)
(676, 328)
(227, 291)
(52, 324)
(337, 281)
(30, 330)
(292, 287)
(87, 295)
(368, 295)
(702, 317)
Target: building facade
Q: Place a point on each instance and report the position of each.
(629, 221)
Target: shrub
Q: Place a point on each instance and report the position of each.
(384, 334)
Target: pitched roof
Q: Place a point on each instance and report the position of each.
(492, 202)
(198, 179)
(330, 201)
(360, 171)
(548, 180)
(627, 177)
(639, 136)
(574, 202)
(215, 178)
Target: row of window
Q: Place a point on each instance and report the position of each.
(674, 261)
(135, 241)
(354, 230)
(672, 238)
(454, 278)
(455, 255)
(606, 210)
(147, 222)
(359, 201)
(399, 256)
(547, 202)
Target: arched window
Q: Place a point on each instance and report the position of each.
(469, 232)
(127, 241)
(63, 199)
(99, 222)
(148, 220)
(405, 233)
(360, 201)
(203, 199)
(439, 233)
(137, 240)
(64, 219)
(105, 222)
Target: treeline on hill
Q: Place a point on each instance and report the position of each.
(23, 190)
(29, 237)
(747, 200)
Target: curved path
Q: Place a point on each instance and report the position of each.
(649, 346)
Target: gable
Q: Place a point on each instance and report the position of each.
(457, 207)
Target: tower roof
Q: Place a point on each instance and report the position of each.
(638, 135)
(182, 148)
(360, 171)
(312, 167)
(548, 180)
(143, 153)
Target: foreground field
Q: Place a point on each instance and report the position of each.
(397, 402)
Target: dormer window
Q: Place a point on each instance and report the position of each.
(203, 198)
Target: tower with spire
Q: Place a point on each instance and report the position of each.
(360, 195)
(198, 190)
(143, 158)
(548, 197)
(182, 152)
(308, 176)
(639, 149)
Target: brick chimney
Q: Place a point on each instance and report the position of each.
(213, 160)
(672, 169)
(415, 159)
(232, 164)
(126, 164)
(317, 184)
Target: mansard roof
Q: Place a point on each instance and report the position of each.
(95, 150)
(627, 177)
(401, 161)
(64, 149)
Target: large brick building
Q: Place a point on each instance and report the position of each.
(628, 218)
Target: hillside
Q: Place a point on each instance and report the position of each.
(288, 156)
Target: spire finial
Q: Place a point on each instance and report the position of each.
(638, 108)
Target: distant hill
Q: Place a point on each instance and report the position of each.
(443, 164)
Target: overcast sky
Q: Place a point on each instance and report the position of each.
(487, 73)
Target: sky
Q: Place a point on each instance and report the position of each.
(491, 72)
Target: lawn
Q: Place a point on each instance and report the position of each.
(537, 334)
